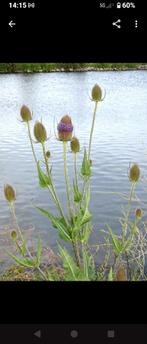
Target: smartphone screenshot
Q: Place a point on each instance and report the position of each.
(73, 176)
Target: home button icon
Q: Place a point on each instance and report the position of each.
(110, 334)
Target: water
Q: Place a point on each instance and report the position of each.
(120, 138)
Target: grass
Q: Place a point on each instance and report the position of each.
(49, 67)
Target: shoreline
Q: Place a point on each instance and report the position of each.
(76, 70)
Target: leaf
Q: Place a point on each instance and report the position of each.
(86, 233)
(39, 252)
(76, 192)
(68, 263)
(86, 166)
(129, 241)
(57, 223)
(110, 275)
(44, 180)
(85, 263)
(86, 217)
(117, 245)
(83, 217)
(23, 248)
(24, 262)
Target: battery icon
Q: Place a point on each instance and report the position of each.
(118, 5)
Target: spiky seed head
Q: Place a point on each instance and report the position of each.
(96, 93)
(25, 113)
(138, 213)
(40, 132)
(134, 173)
(14, 235)
(75, 145)
(9, 193)
(48, 154)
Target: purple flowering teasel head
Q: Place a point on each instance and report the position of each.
(65, 128)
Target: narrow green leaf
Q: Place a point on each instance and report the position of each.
(57, 223)
(117, 245)
(83, 217)
(86, 217)
(44, 181)
(110, 275)
(24, 262)
(39, 253)
(76, 192)
(86, 166)
(85, 263)
(86, 233)
(68, 262)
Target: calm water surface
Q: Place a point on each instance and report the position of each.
(120, 138)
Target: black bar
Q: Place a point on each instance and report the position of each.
(74, 333)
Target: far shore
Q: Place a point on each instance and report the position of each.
(70, 70)
(55, 68)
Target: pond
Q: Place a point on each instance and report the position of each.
(120, 138)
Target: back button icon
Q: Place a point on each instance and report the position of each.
(38, 334)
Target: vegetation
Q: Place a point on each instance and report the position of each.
(124, 253)
(49, 67)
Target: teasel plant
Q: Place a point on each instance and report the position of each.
(125, 244)
(74, 227)
(25, 258)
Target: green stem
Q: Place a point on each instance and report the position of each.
(128, 267)
(75, 169)
(89, 147)
(74, 241)
(33, 151)
(12, 207)
(76, 252)
(66, 179)
(83, 189)
(92, 128)
(128, 210)
(52, 188)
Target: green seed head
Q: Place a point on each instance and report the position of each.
(134, 173)
(48, 154)
(14, 235)
(40, 132)
(25, 114)
(9, 193)
(96, 93)
(75, 145)
(138, 213)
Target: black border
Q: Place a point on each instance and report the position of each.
(77, 302)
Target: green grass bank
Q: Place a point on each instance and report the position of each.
(67, 67)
